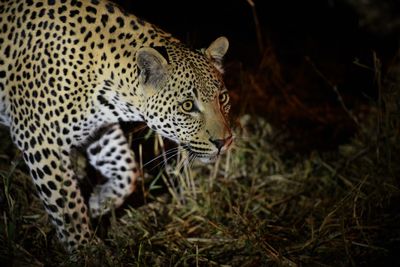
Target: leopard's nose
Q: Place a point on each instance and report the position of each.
(220, 143)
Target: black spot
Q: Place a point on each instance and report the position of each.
(63, 192)
(53, 164)
(51, 185)
(38, 156)
(100, 163)
(91, 9)
(47, 170)
(87, 37)
(45, 190)
(90, 19)
(67, 218)
(112, 29)
(52, 208)
(59, 141)
(34, 175)
(50, 13)
(65, 119)
(120, 21)
(110, 8)
(40, 173)
(106, 141)
(58, 221)
(61, 9)
(104, 102)
(95, 150)
(60, 202)
(104, 19)
(46, 152)
(73, 13)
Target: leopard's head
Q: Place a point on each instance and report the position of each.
(185, 96)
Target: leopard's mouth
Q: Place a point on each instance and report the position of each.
(204, 155)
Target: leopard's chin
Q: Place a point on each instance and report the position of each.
(210, 159)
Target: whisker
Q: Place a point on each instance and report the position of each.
(192, 160)
(139, 129)
(164, 162)
(185, 162)
(164, 153)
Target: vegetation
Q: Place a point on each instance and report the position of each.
(259, 205)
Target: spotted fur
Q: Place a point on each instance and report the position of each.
(69, 69)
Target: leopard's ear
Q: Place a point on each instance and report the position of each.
(152, 67)
(217, 50)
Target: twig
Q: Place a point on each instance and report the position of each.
(257, 26)
(335, 172)
(335, 89)
(210, 240)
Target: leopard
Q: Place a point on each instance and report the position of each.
(70, 69)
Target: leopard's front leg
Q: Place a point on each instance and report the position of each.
(52, 173)
(113, 158)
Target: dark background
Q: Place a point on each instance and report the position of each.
(329, 28)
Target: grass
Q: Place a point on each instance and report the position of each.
(253, 208)
(259, 205)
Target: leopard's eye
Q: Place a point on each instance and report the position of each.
(223, 98)
(188, 106)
